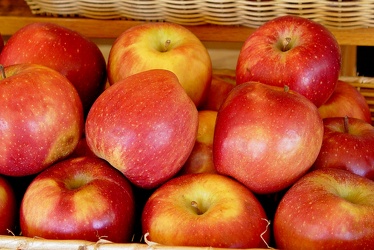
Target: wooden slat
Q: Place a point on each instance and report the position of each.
(112, 28)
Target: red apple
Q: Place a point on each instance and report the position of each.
(201, 157)
(346, 100)
(167, 46)
(62, 49)
(205, 210)
(326, 209)
(8, 207)
(79, 198)
(222, 83)
(348, 143)
(41, 119)
(266, 137)
(293, 51)
(145, 126)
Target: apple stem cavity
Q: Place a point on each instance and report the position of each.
(286, 44)
(196, 206)
(166, 45)
(76, 182)
(2, 72)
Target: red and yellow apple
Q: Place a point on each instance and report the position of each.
(144, 125)
(266, 136)
(79, 198)
(326, 209)
(205, 210)
(348, 143)
(166, 46)
(201, 157)
(346, 100)
(41, 119)
(62, 49)
(293, 51)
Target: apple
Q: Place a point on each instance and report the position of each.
(145, 126)
(205, 210)
(62, 49)
(294, 51)
(348, 143)
(326, 209)
(346, 100)
(266, 136)
(222, 83)
(161, 45)
(41, 118)
(8, 207)
(79, 198)
(200, 159)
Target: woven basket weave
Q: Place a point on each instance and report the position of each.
(250, 13)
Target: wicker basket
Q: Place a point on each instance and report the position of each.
(250, 13)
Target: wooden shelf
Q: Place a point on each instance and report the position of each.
(112, 28)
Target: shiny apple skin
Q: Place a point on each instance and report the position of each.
(266, 137)
(73, 55)
(310, 64)
(145, 126)
(229, 216)
(80, 198)
(348, 143)
(41, 116)
(326, 209)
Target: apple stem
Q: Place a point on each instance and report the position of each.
(286, 43)
(286, 88)
(196, 206)
(166, 45)
(346, 124)
(2, 71)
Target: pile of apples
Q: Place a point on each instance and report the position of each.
(156, 146)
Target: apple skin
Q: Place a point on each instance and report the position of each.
(201, 157)
(145, 126)
(326, 209)
(146, 47)
(346, 100)
(79, 198)
(266, 137)
(310, 63)
(230, 215)
(62, 49)
(222, 83)
(44, 118)
(348, 143)
(8, 207)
